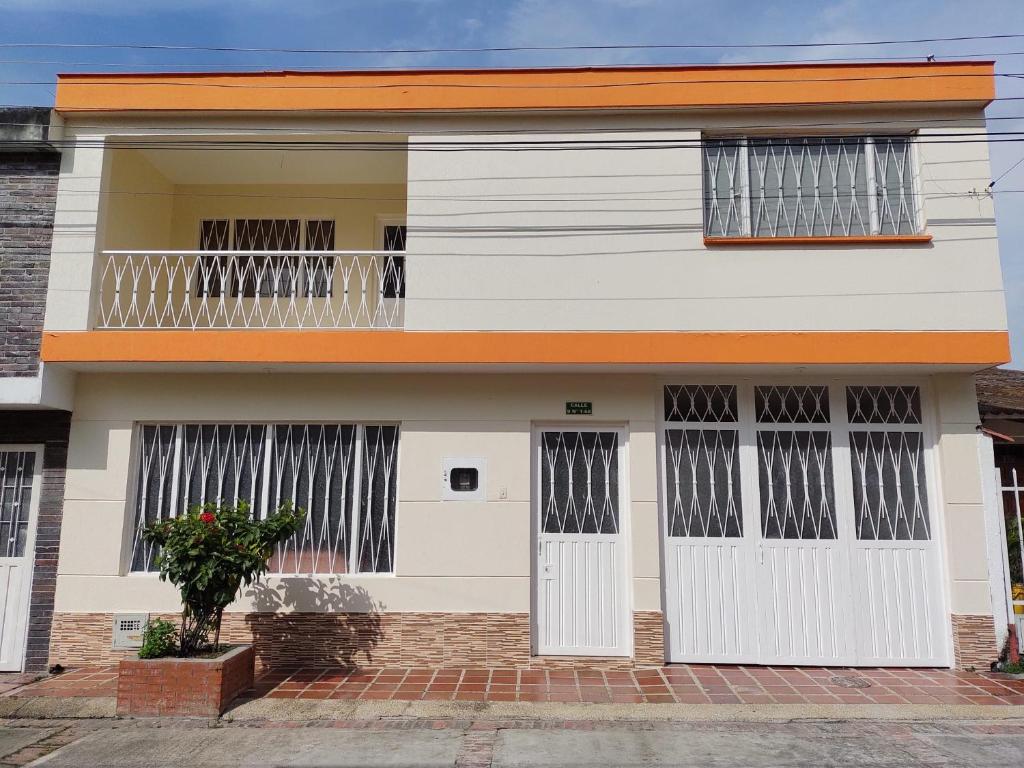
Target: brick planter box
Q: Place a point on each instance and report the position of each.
(184, 687)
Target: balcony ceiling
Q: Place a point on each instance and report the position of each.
(291, 165)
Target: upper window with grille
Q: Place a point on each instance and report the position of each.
(821, 186)
(264, 270)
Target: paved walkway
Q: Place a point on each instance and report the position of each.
(676, 684)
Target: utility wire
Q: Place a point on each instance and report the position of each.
(509, 49)
(419, 131)
(112, 81)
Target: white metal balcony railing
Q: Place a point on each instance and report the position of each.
(251, 289)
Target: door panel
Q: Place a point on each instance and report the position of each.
(581, 572)
(899, 605)
(801, 621)
(19, 490)
(711, 605)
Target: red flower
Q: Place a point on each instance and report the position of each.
(208, 518)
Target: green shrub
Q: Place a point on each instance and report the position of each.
(159, 638)
(208, 553)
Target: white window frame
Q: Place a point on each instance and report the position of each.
(131, 510)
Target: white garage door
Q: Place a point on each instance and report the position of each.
(798, 527)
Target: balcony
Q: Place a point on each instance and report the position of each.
(251, 289)
(278, 232)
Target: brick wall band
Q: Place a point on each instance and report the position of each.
(974, 641)
(51, 429)
(360, 639)
(28, 193)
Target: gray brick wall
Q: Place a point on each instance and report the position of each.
(28, 191)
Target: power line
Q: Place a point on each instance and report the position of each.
(509, 49)
(255, 68)
(419, 131)
(1008, 137)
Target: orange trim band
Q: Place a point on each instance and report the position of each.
(822, 240)
(983, 348)
(561, 89)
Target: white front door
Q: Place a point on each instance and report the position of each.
(581, 578)
(20, 469)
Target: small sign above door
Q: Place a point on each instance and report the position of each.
(579, 408)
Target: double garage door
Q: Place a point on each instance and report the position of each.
(799, 527)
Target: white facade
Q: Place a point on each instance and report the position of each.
(594, 239)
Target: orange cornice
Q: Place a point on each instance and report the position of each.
(541, 89)
(356, 347)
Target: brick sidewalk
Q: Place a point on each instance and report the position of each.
(680, 684)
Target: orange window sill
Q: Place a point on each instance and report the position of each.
(854, 240)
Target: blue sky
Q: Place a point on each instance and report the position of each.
(495, 23)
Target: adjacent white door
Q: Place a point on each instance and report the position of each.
(581, 578)
(798, 527)
(20, 468)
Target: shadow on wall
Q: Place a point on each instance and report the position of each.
(307, 621)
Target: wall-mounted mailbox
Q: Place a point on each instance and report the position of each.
(464, 479)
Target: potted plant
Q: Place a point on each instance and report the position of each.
(208, 553)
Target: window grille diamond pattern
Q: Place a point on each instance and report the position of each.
(802, 404)
(822, 186)
(313, 467)
(808, 187)
(579, 482)
(796, 485)
(263, 465)
(724, 203)
(377, 500)
(883, 405)
(889, 492)
(702, 471)
(17, 469)
(700, 403)
(155, 488)
(394, 266)
(894, 186)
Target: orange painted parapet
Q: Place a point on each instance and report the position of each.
(379, 347)
(823, 240)
(575, 88)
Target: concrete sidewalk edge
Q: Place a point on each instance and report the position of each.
(51, 707)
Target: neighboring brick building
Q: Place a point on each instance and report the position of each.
(33, 426)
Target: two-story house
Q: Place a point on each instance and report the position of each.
(621, 365)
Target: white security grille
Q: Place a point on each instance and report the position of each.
(314, 466)
(377, 499)
(702, 467)
(827, 186)
(703, 473)
(17, 470)
(796, 483)
(887, 456)
(883, 405)
(700, 402)
(889, 494)
(791, 405)
(580, 482)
